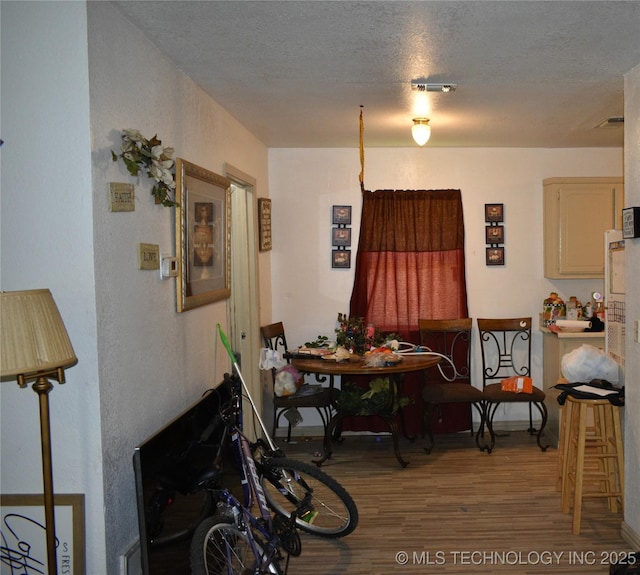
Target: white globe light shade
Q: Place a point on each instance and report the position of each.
(421, 131)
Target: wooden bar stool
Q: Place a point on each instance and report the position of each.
(591, 455)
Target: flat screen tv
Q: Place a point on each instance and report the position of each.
(165, 467)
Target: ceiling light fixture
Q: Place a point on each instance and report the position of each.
(421, 131)
(423, 86)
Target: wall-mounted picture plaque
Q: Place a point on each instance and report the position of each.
(341, 236)
(494, 234)
(342, 215)
(494, 212)
(495, 256)
(264, 224)
(341, 259)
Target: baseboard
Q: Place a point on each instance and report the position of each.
(630, 536)
(317, 430)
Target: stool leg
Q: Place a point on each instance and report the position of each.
(579, 471)
(569, 456)
(617, 429)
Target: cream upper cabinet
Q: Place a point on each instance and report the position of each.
(577, 212)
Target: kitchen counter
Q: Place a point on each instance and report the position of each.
(574, 334)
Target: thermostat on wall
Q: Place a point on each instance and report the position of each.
(631, 222)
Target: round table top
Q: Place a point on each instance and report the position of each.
(355, 367)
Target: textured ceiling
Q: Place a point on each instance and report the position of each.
(295, 73)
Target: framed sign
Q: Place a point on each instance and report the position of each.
(264, 224)
(203, 236)
(22, 528)
(495, 256)
(494, 212)
(341, 215)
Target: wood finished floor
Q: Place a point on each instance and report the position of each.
(456, 510)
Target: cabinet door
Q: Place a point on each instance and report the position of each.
(577, 213)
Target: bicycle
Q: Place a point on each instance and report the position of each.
(234, 540)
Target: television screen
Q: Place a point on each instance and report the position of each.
(165, 467)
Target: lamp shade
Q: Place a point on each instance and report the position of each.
(421, 131)
(34, 338)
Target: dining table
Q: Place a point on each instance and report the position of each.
(356, 365)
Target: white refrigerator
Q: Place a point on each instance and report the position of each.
(614, 292)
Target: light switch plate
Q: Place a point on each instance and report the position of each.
(122, 197)
(148, 256)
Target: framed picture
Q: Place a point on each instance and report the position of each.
(341, 259)
(494, 212)
(495, 256)
(264, 224)
(203, 236)
(22, 528)
(494, 234)
(342, 215)
(341, 237)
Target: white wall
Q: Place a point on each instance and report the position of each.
(47, 231)
(153, 361)
(308, 294)
(65, 100)
(632, 308)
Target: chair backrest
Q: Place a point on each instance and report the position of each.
(451, 338)
(274, 338)
(505, 348)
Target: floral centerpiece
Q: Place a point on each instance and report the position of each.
(355, 336)
(139, 153)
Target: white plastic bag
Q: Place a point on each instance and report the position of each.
(588, 362)
(270, 359)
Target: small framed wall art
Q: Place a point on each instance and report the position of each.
(264, 224)
(494, 212)
(341, 236)
(494, 235)
(342, 215)
(341, 259)
(495, 256)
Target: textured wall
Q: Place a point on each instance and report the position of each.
(632, 306)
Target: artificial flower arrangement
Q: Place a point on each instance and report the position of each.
(358, 338)
(139, 153)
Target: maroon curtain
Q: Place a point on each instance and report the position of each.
(410, 264)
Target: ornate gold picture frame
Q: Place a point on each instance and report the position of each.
(203, 236)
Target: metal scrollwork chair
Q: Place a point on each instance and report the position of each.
(445, 384)
(274, 338)
(506, 352)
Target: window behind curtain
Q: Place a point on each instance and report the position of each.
(410, 262)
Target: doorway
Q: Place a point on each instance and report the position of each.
(243, 303)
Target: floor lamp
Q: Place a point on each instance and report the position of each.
(36, 347)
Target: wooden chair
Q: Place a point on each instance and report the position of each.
(444, 384)
(506, 351)
(274, 338)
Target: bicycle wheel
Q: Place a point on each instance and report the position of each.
(286, 482)
(219, 547)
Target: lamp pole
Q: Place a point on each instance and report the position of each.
(42, 387)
